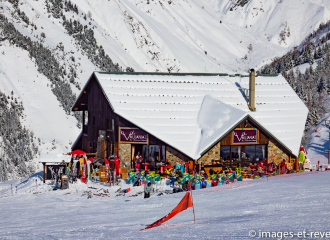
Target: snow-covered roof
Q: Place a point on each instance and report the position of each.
(54, 158)
(192, 111)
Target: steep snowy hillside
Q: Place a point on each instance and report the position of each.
(307, 70)
(206, 36)
(319, 143)
(49, 48)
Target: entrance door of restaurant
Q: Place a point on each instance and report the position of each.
(242, 155)
(236, 156)
(136, 149)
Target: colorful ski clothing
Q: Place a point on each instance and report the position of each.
(301, 157)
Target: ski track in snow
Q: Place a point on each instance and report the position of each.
(286, 203)
(319, 143)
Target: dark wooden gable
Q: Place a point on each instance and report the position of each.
(264, 136)
(246, 123)
(82, 100)
(100, 117)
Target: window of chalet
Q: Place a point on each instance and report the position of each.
(113, 125)
(225, 152)
(261, 152)
(154, 152)
(107, 124)
(86, 117)
(235, 153)
(250, 153)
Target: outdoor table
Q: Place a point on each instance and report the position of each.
(162, 167)
(146, 166)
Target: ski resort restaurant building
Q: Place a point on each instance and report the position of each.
(206, 119)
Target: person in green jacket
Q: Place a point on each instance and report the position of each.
(301, 159)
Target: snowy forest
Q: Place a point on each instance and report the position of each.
(313, 84)
(18, 146)
(83, 35)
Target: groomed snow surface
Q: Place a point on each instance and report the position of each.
(284, 203)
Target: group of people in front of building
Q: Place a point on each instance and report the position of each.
(76, 167)
(176, 175)
(257, 169)
(139, 161)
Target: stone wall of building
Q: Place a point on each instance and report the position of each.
(276, 154)
(172, 156)
(125, 154)
(212, 154)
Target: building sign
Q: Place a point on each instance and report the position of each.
(132, 135)
(245, 136)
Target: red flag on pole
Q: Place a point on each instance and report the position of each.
(83, 176)
(184, 204)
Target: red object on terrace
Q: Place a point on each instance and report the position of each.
(168, 166)
(77, 152)
(146, 166)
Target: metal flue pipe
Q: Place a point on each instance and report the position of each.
(252, 92)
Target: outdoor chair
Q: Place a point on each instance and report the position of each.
(239, 177)
(197, 186)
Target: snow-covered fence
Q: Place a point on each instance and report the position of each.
(323, 159)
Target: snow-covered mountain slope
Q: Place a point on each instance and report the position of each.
(53, 46)
(44, 116)
(319, 143)
(178, 34)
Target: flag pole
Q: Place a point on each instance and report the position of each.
(192, 202)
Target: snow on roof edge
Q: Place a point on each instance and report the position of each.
(265, 129)
(160, 138)
(75, 142)
(82, 90)
(54, 158)
(206, 149)
(232, 128)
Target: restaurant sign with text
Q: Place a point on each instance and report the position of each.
(132, 135)
(245, 136)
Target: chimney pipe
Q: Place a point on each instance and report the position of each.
(252, 92)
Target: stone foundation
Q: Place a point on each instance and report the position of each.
(275, 154)
(212, 154)
(125, 153)
(172, 156)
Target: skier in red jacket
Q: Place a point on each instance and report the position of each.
(116, 161)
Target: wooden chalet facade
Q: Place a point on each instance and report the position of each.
(100, 117)
(101, 134)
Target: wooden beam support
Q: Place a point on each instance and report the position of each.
(83, 119)
(44, 171)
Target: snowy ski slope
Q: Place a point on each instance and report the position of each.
(286, 203)
(319, 143)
